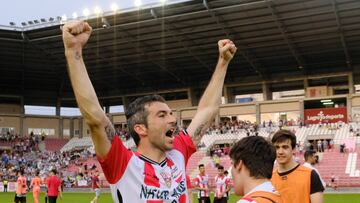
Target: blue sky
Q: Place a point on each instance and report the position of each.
(24, 10)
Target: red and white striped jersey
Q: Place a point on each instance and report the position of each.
(202, 182)
(221, 183)
(136, 178)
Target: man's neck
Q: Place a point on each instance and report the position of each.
(309, 163)
(154, 154)
(253, 183)
(287, 166)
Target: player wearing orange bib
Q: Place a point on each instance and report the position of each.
(296, 183)
(35, 185)
(20, 193)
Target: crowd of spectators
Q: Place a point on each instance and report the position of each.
(25, 154)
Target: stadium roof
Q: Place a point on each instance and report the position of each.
(175, 46)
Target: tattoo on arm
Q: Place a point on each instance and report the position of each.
(77, 56)
(198, 133)
(110, 132)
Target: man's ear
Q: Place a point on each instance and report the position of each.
(140, 129)
(239, 165)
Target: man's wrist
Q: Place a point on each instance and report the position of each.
(73, 53)
(223, 61)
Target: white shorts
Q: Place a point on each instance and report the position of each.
(97, 192)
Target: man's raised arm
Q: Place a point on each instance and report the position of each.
(75, 36)
(211, 99)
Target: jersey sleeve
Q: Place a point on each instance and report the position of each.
(185, 145)
(196, 182)
(316, 184)
(116, 161)
(188, 182)
(227, 182)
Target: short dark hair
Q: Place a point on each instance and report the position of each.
(21, 172)
(309, 154)
(220, 167)
(283, 135)
(201, 165)
(54, 171)
(257, 154)
(137, 114)
(226, 172)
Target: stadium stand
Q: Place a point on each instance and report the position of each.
(55, 144)
(311, 50)
(76, 142)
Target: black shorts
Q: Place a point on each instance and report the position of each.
(220, 200)
(18, 199)
(52, 199)
(204, 200)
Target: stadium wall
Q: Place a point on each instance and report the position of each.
(279, 106)
(237, 109)
(10, 109)
(43, 123)
(119, 118)
(76, 126)
(178, 104)
(66, 127)
(11, 121)
(355, 101)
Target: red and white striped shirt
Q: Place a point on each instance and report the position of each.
(136, 178)
(202, 182)
(221, 183)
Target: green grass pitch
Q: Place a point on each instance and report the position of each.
(106, 198)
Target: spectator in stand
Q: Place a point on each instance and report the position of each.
(333, 183)
(226, 149)
(54, 187)
(342, 148)
(319, 148)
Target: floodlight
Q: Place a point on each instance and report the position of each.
(52, 19)
(137, 3)
(23, 24)
(12, 23)
(62, 18)
(30, 22)
(114, 7)
(36, 21)
(43, 20)
(74, 15)
(86, 12)
(97, 10)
